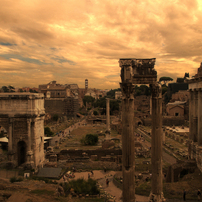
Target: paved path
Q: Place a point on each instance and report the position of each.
(166, 157)
(111, 189)
(67, 131)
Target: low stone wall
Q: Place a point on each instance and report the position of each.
(73, 153)
(117, 183)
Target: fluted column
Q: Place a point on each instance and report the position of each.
(29, 134)
(108, 114)
(128, 156)
(199, 117)
(10, 135)
(156, 144)
(191, 114)
(195, 116)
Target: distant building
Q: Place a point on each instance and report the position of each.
(176, 108)
(61, 99)
(175, 87)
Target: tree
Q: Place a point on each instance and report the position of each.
(88, 99)
(11, 88)
(48, 132)
(111, 93)
(89, 139)
(5, 89)
(165, 79)
(55, 117)
(95, 113)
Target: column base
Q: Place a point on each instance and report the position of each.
(30, 163)
(107, 135)
(10, 156)
(156, 198)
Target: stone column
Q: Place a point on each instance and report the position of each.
(108, 115)
(195, 116)
(128, 156)
(10, 136)
(191, 120)
(156, 144)
(191, 114)
(30, 163)
(199, 117)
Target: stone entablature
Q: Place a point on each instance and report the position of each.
(138, 71)
(21, 104)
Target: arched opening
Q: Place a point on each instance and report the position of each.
(21, 152)
(139, 123)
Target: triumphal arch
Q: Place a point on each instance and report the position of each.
(22, 115)
(133, 72)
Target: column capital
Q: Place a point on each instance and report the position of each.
(29, 121)
(127, 90)
(156, 90)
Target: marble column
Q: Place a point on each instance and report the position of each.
(191, 119)
(191, 114)
(199, 117)
(156, 144)
(128, 153)
(10, 136)
(108, 115)
(195, 116)
(29, 143)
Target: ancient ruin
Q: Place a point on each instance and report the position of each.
(195, 118)
(108, 118)
(140, 71)
(22, 115)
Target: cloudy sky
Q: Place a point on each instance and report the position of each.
(71, 40)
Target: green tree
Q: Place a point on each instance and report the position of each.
(95, 112)
(11, 88)
(5, 89)
(165, 79)
(88, 99)
(111, 93)
(48, 132)
(89, 139)
(55, 117)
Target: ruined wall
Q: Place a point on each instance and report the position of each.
(54, 106)
(64, 154)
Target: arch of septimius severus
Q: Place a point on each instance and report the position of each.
(22, 115)
(140, 71)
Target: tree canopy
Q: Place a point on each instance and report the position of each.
(165, 79)
(8, 88)
(88, 99)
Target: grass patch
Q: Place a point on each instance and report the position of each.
(42, 192)
(81, 186)
(143, 189)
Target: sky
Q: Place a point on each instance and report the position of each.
(73, 40)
